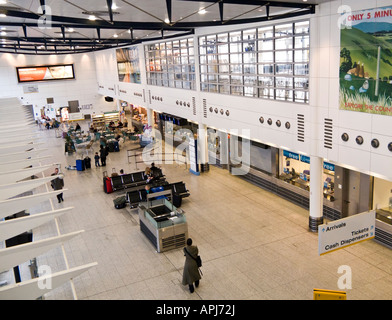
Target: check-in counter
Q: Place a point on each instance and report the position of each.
(162, 223)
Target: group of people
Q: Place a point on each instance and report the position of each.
(103, 153)
(191, 274)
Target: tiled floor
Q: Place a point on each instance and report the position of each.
(254, 245)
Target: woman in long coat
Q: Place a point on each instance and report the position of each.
(191, 271)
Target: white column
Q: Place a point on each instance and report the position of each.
(202, 147)
(150, 117)
(316, 193)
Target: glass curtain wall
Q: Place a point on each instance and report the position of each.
(268, 62)
(171, 64)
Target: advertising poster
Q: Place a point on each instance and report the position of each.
(128, 65)
(366, 61)
(44, 73)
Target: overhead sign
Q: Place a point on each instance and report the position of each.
(345, 232)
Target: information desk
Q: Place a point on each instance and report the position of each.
(162, 223)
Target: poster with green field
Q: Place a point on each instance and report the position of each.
(366, 61)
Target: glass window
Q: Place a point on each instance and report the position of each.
(301, 42)
(301, 55)
(265, 69)
(266, 45)
(284, 56)
(301, 27)
(301, 69)
(284, 68)
(266, 57)
(283, 30)
(284, 43)
(269, 62)
(265, 33)
(235, 47)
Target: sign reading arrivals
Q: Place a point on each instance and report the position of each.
(345, 232)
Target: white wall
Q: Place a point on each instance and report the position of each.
(82, 88)
(245, 112)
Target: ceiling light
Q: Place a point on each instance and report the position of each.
(202, 11)
(167, 20)
(3, 1)
(114, 6)
(3, 15)
(3, 33)
(92, 17)
(115, 36)
(70, 30)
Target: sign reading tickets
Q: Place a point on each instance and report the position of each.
(365, 70)
(345, 232)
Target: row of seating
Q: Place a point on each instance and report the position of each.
(140, 195)
(131, 180)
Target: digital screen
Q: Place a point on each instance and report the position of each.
(45, 73)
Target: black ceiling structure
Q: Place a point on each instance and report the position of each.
(42, 31)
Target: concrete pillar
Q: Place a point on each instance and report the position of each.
(203, 147)
(316, 193)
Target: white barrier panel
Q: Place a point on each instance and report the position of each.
(35, 288)
(14, 256)
(18, 175)
(20, 164)
(13, 227)
(10, 190)
(14, 156)
(15, 205)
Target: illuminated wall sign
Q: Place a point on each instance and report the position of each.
(45, 73)
(291, 155)
(306, 159)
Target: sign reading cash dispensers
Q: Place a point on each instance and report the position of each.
(345, 232)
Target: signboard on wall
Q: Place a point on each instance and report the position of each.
(45, 73)
(365, 70)
(345, 232)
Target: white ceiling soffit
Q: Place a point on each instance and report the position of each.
(37, 287)
(20, 164)
(18, 175)
(13, 227)
(20, 155)
(15, 205)
(10, 190)
(13, 256)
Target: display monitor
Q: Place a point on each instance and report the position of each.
(45, 73)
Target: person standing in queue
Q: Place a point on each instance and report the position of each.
(191, 270)
(57, 184)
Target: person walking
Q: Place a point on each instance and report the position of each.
(103, 154)
(58, 184)
(191, 270)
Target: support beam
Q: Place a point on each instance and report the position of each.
(110, 3)
(169, 10)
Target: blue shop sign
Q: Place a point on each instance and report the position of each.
(291, 155)
(329, 166)
(305, 159)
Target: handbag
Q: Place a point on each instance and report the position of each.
(197, 259)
